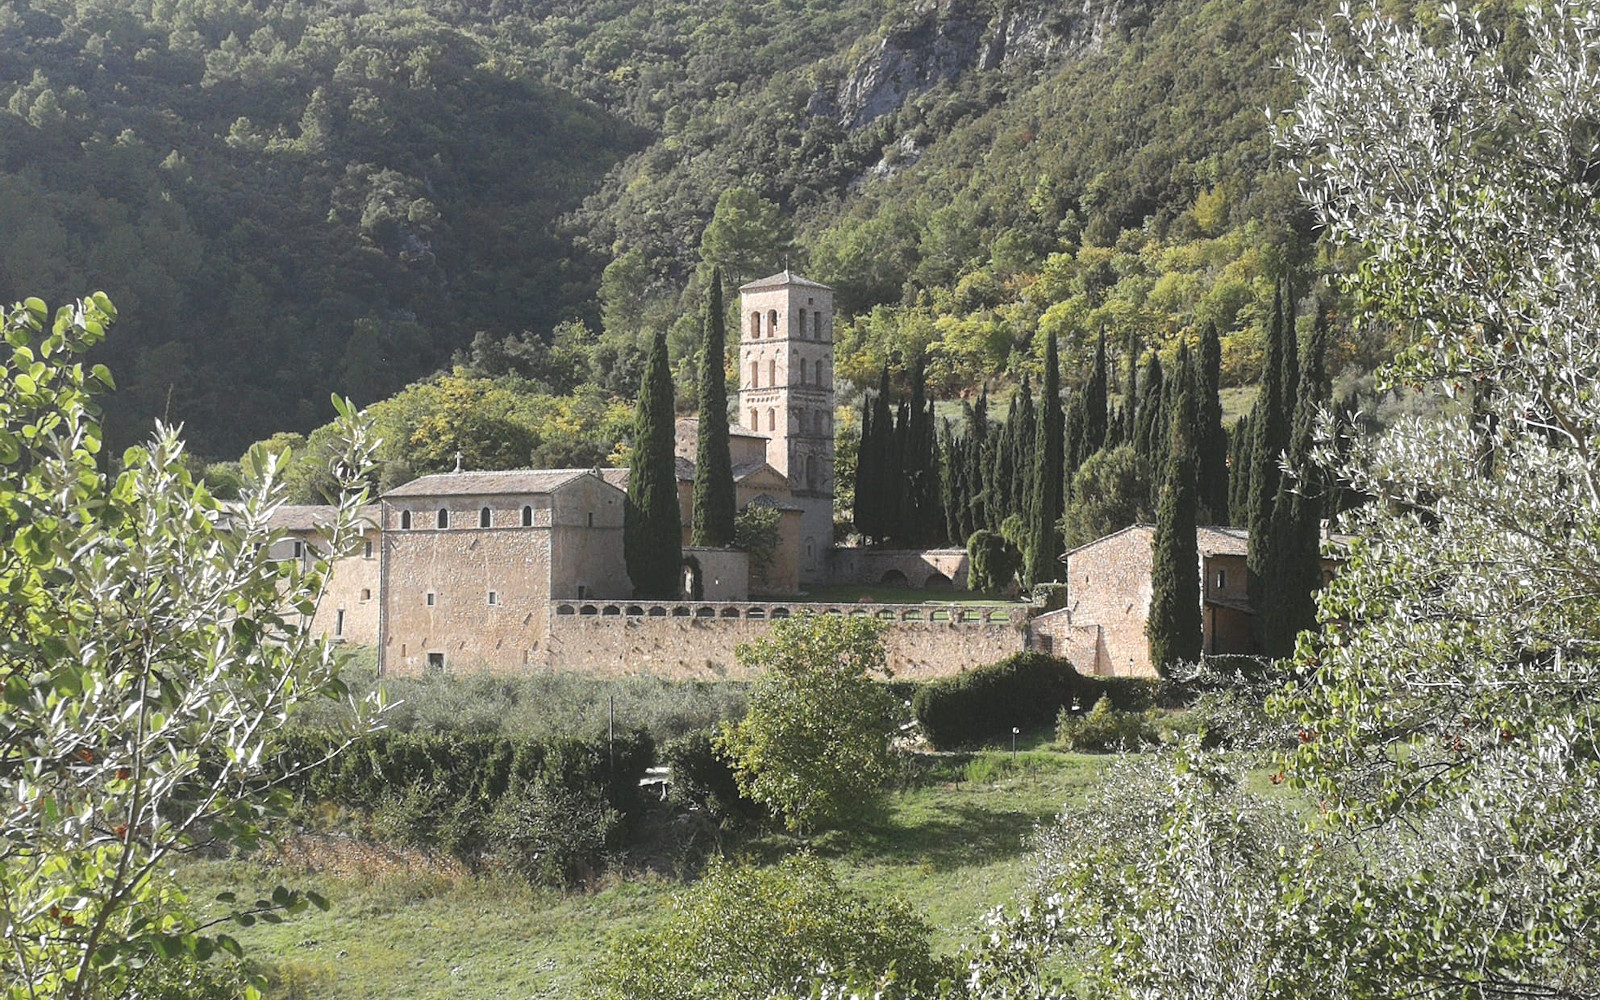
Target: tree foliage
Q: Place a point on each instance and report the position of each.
(714, 500)
(814, 745)
(150, 649)
(1173, 626)
(652, 527)
(749, 933)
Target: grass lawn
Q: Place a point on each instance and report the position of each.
(952, 844)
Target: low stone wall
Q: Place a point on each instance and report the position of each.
(697, 640)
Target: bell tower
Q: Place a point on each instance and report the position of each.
(786, 393)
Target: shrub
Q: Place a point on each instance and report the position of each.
(992, 561)
(744, 932)
(704, 778)
(554, 834)
(439, 791)
(1105, 728)
(1026, 689)
(1050, 596)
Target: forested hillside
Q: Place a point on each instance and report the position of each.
(291, 198)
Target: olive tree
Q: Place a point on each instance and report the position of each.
(150, 648)
(1448, 707)
(814, 744)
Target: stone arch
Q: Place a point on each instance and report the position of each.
(527, 516)
(772, 419)
(772, 322)
(442, 519)
(755, 325)
(485, 518)
(772, 371)
(405, 519)
(894, 578)
(937, 581)
(694, 583)
(755, 374)
(755, 419)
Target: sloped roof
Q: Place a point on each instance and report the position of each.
(518, 481)
(768, 500)
(782, 278)
(309, 517)
(745, 470)
(691, 425)
(1223, 541)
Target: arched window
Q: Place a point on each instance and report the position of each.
(772, 371)
(755, 374)
(772, 322)
(800, 419)
(772, 419)
(485, 519)
(802, 367)
(527, 517)
(443, 520)
(405, 519)
(755, 325)
(811, 472)
(818, 370)
(755, 420)
(801, 329)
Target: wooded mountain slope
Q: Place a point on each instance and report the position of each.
(307, 196)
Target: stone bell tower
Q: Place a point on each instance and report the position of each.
(786, 393)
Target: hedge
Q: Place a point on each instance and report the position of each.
(441, 790)
(1024, 690)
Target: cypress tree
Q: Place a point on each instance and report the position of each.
(1239, 441)
(1150, 424)
(1269, 437)
(652, 525)
(951, 498)
(1211, 441)
(1289, 602)
(977, 443)
(1095, 402)
(1174, 625)
(1044, 543)
(1130, 391)
(1075, 434)
(897, 500)
(1024, 443)
(877, 454)
(1002, 446)
(866, 469)
(714, 503)
(924, 520)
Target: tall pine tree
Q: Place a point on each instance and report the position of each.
(923, 521)
(652, 525)
(1211, 441)
(1044, 542)
(1024, 443)
(1174, 625)
(714, 503)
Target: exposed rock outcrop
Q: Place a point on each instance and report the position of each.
(944, 39)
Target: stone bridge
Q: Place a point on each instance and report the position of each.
(931, 569)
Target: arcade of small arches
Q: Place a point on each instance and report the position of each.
(953, 614)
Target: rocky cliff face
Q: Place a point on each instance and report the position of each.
(943, 39)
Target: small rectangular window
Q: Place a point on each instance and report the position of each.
(299, 549)
(436, 662)
(338, 622)
(368, 549)
(430, 598)
(591, 519)
(494, 598)
(366, 593)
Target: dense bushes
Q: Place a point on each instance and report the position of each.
(703, 778)
(1024, 690)
(547, 810)
(1106, 728)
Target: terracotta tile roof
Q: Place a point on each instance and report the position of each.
(782, 278)
(518, 481)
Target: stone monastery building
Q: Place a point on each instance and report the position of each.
(524, 569)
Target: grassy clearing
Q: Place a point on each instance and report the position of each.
(952, 843)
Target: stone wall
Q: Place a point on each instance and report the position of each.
(697, 641)
(1108, 585)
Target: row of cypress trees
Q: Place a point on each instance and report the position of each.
(653, 526)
